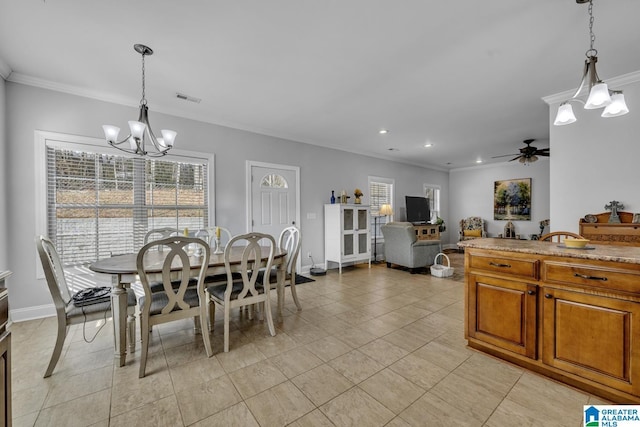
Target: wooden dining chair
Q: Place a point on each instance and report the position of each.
(559, 236)
(225, 236)
(67, 312)
(246, 290)
(290, 240)
(160, 233)
(177, 299)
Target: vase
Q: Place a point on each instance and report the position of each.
(357, 201)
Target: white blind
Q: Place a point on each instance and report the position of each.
(380, 195)
(103, 204)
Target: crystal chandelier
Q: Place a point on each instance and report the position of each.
(600, 96)
(141, 132)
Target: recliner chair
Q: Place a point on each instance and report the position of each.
(402, 247)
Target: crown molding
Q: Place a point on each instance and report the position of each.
(613, 83)
(73, 90)
(5, 70)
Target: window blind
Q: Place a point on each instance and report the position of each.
(100, 204)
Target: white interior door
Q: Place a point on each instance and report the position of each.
(274, 199)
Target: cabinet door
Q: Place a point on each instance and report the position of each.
(592, 336)
(363, 231)
(503, 313)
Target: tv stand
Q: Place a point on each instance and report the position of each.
(427, 231)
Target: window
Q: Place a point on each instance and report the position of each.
(381, 193)
(432, 192)
(274, 181)
(102, 202)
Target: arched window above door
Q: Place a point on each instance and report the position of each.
(274, 181)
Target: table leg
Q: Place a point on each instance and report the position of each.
(119, 313)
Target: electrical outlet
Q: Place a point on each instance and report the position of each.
(309, 254)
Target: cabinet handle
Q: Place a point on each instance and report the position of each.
(584, 276)
(495, 264)
(530, 292)
(548, 296)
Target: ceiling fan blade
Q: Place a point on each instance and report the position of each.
(506, 155)
(515, 158)
(542, 154)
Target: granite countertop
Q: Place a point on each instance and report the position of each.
(628, 254)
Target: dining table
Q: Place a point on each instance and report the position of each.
(124, 272)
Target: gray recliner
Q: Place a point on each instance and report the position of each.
(402, 247)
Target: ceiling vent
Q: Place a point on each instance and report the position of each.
(188, 98)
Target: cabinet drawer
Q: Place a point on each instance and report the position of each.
(592, 276)
(527, 268)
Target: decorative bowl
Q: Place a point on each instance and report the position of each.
(576, 243)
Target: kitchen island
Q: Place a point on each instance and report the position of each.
(570, 314)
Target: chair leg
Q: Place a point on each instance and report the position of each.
(57, 350)
(212, 314)
(267, 310)
(294, 294)
(196, 325)
(227, 315)
(131, 327)
(144, 350)
(205, 334)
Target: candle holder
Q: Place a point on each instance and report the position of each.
(218, 250)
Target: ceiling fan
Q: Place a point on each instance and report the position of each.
(527, 154)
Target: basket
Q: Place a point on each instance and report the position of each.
(439, 270)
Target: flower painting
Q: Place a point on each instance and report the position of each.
(512, 200)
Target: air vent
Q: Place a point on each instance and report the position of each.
(187, 98)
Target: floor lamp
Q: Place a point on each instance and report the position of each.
(385, 210)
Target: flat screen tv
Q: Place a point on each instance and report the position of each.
(417, 209)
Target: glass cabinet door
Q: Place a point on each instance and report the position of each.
(347, 220)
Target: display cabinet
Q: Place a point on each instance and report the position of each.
(347, 234)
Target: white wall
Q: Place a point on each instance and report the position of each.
(472, 195)
(595, 161)
(321, 170)
(4, 262)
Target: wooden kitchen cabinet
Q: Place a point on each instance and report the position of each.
(502, 312)
(571, 315)
(592, 336)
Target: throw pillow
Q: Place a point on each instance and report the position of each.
(472, 233)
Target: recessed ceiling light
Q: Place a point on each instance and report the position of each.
(383, 131)
(428, 145)
(478, 161)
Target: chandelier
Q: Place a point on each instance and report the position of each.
(141, 132)
(599, 94)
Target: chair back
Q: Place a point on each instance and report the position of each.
(291, 241)
(53, 272)
(559, 236)
(160, 233)
(174, 283)
(225, 236)
(252, 246)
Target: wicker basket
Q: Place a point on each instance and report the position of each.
(439, 270)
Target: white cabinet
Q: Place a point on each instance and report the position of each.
(347, 235)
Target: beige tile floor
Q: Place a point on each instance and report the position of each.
(372, 347)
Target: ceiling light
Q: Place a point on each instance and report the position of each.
(599, 94)
(478, 161)
(141, 130)
(428, 145)
(383, 131)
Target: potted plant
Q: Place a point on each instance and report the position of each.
(441, 226)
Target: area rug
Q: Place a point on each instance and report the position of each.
(302, 279)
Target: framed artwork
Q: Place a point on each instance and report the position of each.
(512, 200)
(636, 218)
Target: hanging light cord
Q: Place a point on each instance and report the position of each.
(143, 101)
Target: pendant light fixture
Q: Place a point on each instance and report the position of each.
(141, 132)
(599, 94)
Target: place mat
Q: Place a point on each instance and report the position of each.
(585, 248)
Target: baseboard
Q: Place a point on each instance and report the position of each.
(31, 313)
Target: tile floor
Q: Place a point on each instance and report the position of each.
(373, 347)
